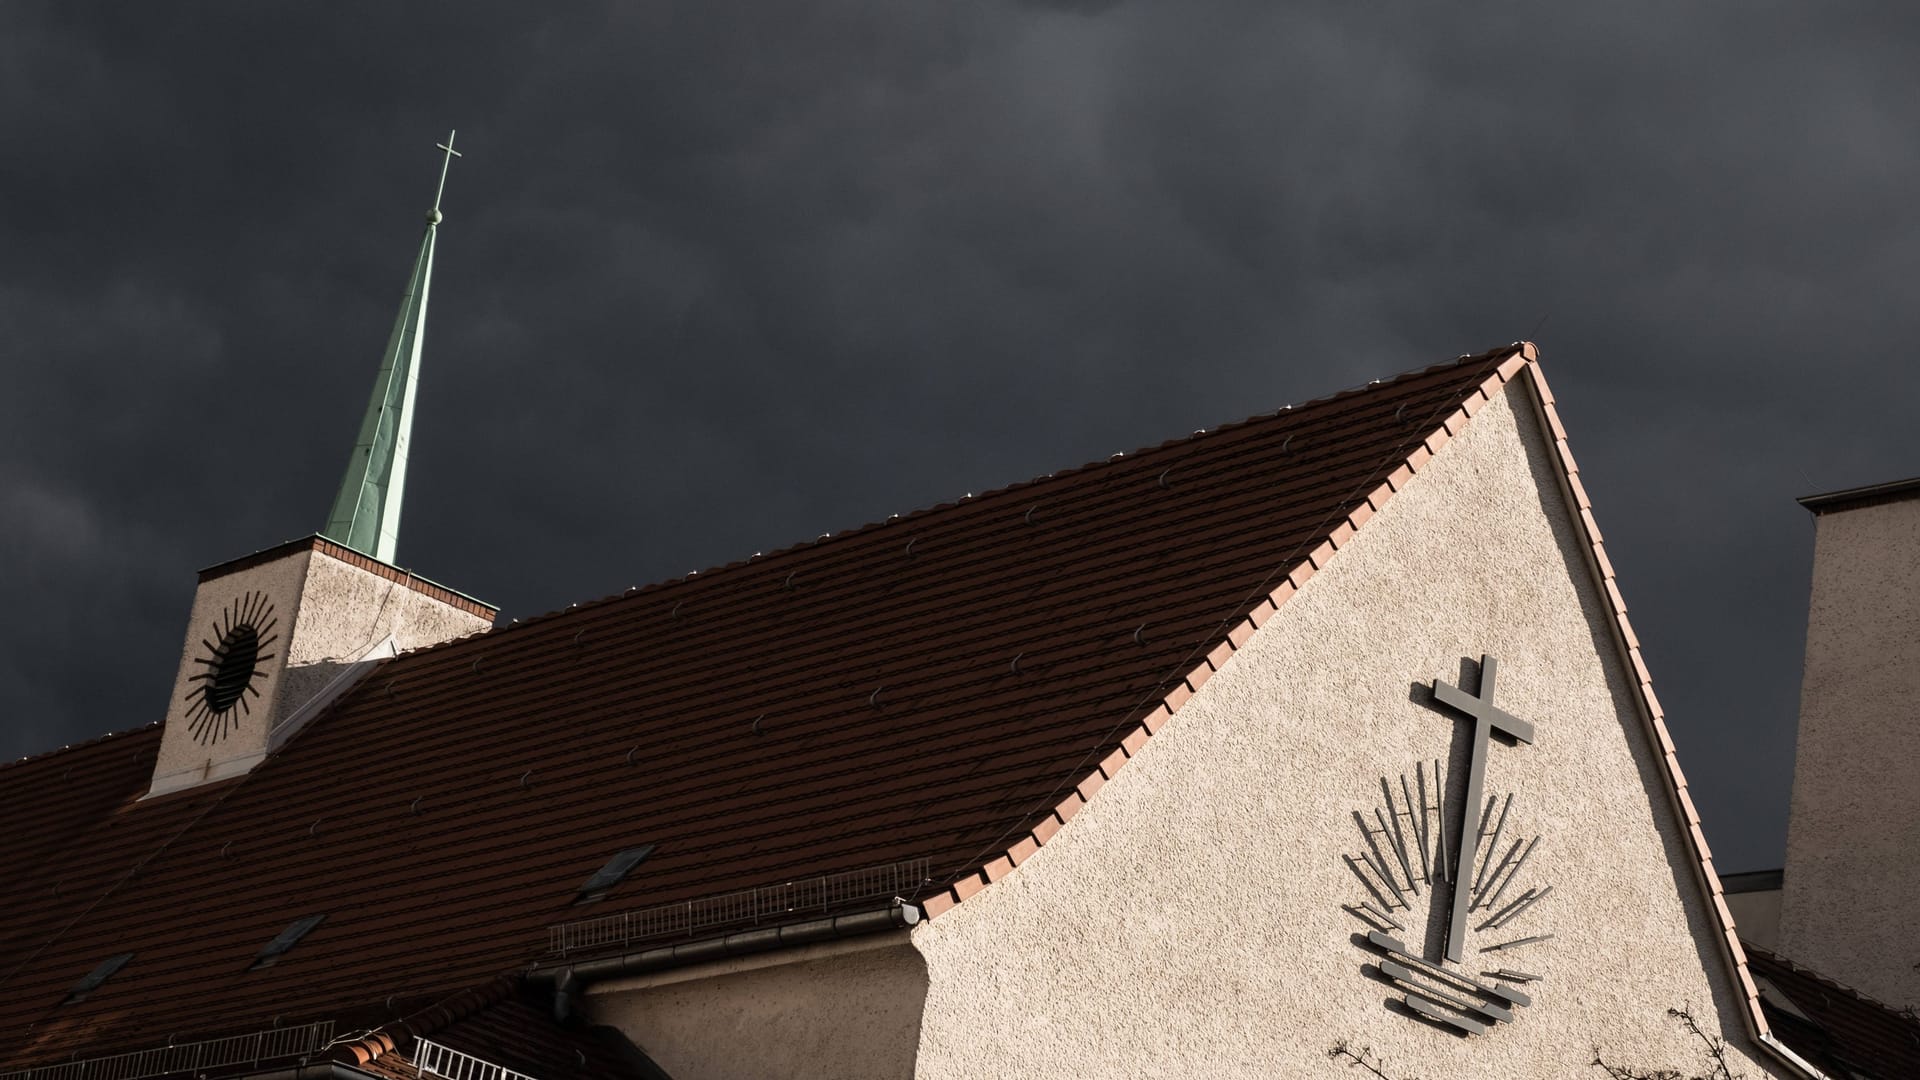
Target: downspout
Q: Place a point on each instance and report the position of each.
(570, 982)
(566, 989)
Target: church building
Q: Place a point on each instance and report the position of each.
(1315, 742)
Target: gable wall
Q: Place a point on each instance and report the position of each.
(1188, 921)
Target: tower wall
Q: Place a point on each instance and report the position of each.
(1852, 888)
(318, 611)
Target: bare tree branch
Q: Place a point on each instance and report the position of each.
(1365, 1058)
(1714, 1049)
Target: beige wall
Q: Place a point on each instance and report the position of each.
(344, 612)
(328, 614)
(183, 759)
(1188, 921)
(1852, 888)
(849, 1011)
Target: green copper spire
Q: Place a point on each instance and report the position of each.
(366, 513)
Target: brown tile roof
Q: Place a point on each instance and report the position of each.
(947, 686)
(1840, 1031)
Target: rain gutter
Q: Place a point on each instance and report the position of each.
(326, 1070)
(570, 980)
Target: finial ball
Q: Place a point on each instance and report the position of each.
(433, 217)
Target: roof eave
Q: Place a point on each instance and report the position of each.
(1861, 497)
(568, 978)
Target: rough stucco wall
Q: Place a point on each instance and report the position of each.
(345, 611)
(1852, 890)
(854, 1015)
(1188, 921)
(282, 582)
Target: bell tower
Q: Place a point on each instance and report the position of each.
(277, 635)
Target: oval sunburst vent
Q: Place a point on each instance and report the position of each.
(239, 654)
(230, 667)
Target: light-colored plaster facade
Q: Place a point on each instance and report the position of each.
(185, 760)
(848, 1010)
(346, 611)
(1852, 886)
(1189, 922)
(327, 615)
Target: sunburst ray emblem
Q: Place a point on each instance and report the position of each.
(231, 654)
(1437, 876)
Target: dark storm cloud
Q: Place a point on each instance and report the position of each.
(716, 278)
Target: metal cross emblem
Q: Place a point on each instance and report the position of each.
(445, 161)
(1395, 863)
(1487, 718)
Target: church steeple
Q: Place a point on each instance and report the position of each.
(276, 635)
(366, 513)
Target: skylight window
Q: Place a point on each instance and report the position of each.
(616, 871)
(288, 937)
(97, 976)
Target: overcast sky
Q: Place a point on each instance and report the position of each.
(720, 277)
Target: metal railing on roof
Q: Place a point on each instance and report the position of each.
(432, 1059)
(747, 907)
(194, 1057)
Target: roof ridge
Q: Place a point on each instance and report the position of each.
(761, 558)
(87, 744)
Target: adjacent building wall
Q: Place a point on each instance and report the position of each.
(1852, 888)
(1189, 920)
(1754, 900)
(848, 1011)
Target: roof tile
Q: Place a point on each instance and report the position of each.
(1219, 655)
(967, 886)
(1261, 612)
(1093, 782)
(1044, 829)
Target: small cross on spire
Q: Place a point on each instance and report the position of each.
(451, 153)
